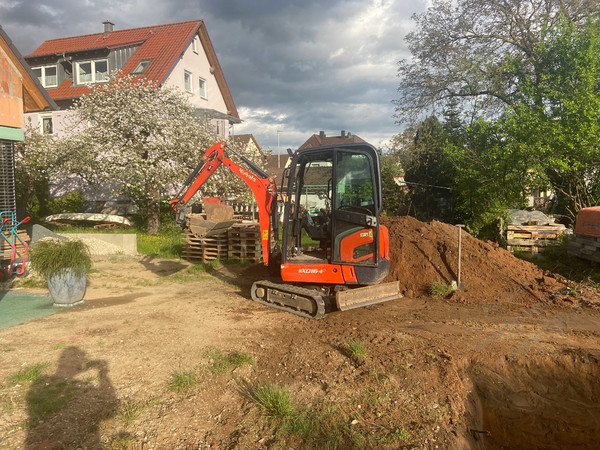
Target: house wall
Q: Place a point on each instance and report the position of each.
(60, 120)
(11, 93)
(198, 65)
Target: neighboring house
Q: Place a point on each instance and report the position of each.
(20, 92)
(321, 140)
(275, 165)
(179, 55)
(247, 145)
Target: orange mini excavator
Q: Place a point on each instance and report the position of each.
(333, 254)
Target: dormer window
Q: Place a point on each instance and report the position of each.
(141, 67)
(91, 71)
(46, 75)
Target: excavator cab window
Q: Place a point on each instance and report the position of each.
(356, 209)
(333, 206)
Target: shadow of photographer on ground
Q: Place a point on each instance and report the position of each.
(66, 408)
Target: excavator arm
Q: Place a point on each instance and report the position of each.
(262, 185)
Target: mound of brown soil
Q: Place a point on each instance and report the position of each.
(425, 253)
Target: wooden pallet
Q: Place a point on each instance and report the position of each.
(532, 238)
(205, 250)
(6, 249)
(244, 243)
(585, 247)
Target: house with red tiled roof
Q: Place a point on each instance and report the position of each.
(177, 55)
(322, 140)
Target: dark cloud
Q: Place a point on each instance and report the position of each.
(299, 67)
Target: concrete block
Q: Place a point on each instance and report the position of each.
(126, 242)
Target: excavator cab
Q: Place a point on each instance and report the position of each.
(331, 231)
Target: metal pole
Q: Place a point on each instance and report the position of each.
(278, 154)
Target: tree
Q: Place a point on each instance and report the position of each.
(461, 48)
(141, 140)
(36, 164)
(428, 170)
(393, 195)
(555, 114)
(491, 175)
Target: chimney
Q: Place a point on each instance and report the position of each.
(108, 26)
(343, 135)
(322, 134)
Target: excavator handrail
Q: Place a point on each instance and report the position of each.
(262, 185)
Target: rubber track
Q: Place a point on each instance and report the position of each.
(315, 296)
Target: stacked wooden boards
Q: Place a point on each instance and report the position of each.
(532, 238)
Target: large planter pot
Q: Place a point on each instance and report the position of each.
(66, 288)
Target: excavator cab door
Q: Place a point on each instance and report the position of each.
(356, 210)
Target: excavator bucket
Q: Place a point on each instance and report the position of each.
(368, 295)
(218, 218)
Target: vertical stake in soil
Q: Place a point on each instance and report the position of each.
(459, 284)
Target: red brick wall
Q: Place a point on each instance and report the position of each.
(11, 94)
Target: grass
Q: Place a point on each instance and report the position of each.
(182, 381)
(30, 282)
(440, 290)
(325, 425)
(130, 411)
(50, 398)
(195, 271)
(221, 363)
(273, 399)
(556, 259)
(169, 244)
(27, 374)
(355, 350)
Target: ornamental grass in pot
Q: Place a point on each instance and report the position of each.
(64, 265)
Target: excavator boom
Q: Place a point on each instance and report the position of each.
(262, 186)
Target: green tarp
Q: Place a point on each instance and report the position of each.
(21, 307)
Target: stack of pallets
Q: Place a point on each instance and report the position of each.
(532, 238)
(205, 249)
(244, 243)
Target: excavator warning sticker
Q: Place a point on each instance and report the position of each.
(367, 234)
(265, 236)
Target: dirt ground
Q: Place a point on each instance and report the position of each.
(510, 363)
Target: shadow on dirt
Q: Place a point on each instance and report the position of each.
(545, 402)
(242, 276)
(162, 267)
(109, 301)
(65, 409)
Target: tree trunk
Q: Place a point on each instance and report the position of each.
(153, 205)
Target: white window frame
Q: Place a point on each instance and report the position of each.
(93, 69)
(188, 76)
(43, 75)
(41, 124)
(195, 45)
(202, 87)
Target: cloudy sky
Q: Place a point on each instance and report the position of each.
(294, 66)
